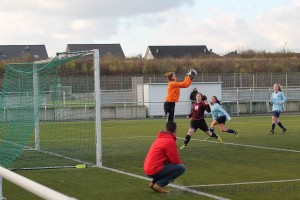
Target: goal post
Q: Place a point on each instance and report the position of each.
(98, 108)
(41, 128)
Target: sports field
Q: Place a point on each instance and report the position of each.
(254, 166)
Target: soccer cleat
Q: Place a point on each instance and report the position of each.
(160, 189)
(284, 131)
(183, 147)
(236, 132)
(219, 139)
(271, 133)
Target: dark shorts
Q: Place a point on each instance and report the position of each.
(201, 124)
(221, 119)
(276, 113)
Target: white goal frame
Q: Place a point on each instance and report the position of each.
(36, 188)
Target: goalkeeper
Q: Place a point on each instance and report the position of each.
(174, 91)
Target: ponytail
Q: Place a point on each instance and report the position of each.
(279, 87)
(169, 75)
(217, 100)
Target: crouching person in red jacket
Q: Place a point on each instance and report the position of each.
(162, 162)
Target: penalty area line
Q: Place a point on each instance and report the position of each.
(244, 183)
(184, 188)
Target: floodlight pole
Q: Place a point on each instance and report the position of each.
(98, 108)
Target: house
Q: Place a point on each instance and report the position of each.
(232, 54)
(104, 49)
(38, 52)
(154, 52)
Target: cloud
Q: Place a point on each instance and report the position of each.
(272, 29)
(280, 27)
(94, 8)
(136, 24)
(72, 21)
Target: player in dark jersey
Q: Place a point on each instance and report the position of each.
(197, 114)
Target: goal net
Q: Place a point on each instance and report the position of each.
(48, 117)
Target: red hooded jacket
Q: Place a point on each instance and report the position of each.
(162, 151)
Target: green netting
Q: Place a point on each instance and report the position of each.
(32, 91)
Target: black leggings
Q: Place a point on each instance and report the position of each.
(169, 108)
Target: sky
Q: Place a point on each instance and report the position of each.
(221, 25)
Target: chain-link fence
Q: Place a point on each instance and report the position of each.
(234, 86)
(240, 92)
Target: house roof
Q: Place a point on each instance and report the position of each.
(38, 52)
(178, 51)
(231, 54)
(104, 49)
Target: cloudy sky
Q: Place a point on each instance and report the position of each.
(221, 25)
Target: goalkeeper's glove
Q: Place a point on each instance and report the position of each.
(193, 74)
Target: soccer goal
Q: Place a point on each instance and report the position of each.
(50, 112)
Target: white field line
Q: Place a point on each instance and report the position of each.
(247, 145)
(228, 143)
(244, 183)
(129, 137)
(171, 185)
(104, 138)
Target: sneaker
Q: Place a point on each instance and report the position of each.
(284, 131)
(236, 132)
(160, 189)
(219, 139)
(271, 133)
(183, 147)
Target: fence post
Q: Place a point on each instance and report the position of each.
(286, 84)
(45, 110)
(241, 80)
(253, 85)
(234, 80)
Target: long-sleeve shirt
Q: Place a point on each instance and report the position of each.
(218, 111)
(198, 109)
(174, 89)
(162, 151)
(277, 99)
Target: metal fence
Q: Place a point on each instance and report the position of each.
(121, 96)
(234, 86)
(232, 80)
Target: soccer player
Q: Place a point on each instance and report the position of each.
(162, 162)
(174, 92)
(220, 116)
(197, 114)
(277, 99)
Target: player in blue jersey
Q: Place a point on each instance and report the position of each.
(219, 116)
(277, 100)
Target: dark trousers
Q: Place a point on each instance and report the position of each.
(168, 174)
(169, 108)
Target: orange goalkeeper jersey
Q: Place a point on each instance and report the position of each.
(174, 89)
